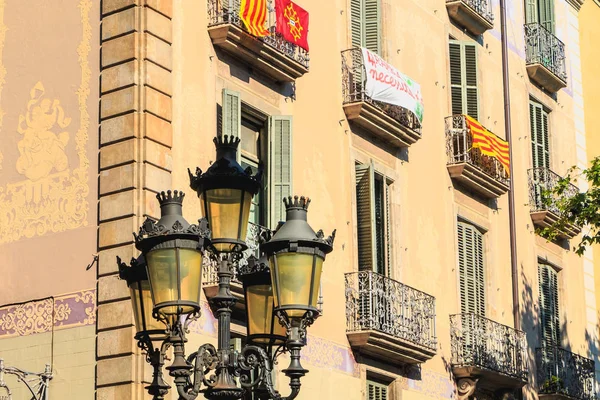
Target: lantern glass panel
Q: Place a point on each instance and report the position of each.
(259, 299)
(227, 211)
(141, 297)
(294, 281)
(162, 271)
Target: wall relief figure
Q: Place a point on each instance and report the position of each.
(53, 195)
(42, 150)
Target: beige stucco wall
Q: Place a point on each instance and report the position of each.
(588, 19)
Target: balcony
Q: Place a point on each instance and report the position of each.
(272, 55)
(543, 207)
(545, 58)
(474, 15)
(210, 280)
(488, 353)
(388, 320)
(392, 124)
(564, 375)
(466, 165)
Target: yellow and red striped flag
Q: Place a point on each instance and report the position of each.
(489, 144)
(254, 15)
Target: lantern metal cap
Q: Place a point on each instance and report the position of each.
(134, 272)
(171, 225)
(226, 172)
(296, 234)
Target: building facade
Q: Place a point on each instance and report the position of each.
(106, 103)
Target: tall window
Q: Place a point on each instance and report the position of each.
(542, 12)
(266, 140)
(548, 301)
(471, 269)
(365, 24)
(463, 78)
(540, 147)
(373, 220)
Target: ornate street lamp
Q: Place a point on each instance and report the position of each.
(225, 191)
(262, 325)
(174, 249)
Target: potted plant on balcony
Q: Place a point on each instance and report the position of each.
(553, 384)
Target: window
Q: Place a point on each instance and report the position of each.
(266, 140)
(365, 24)
(463, 78)
(542, 12)
(548, 300)
(376, 390)
(471, 269)
(373, 220)
(540, 148)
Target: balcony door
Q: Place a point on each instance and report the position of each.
(549, 318)
(472, 290)
(542, 12)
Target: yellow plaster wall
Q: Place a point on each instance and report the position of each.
(71, 352)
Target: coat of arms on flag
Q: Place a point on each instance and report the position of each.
(292, 22)
(254, 15)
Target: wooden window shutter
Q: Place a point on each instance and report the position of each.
(471, 90)
(365, 218)
(531, 11)
(356, 22)
(280, 166)
(376, 391)
(372, 23)
(548, 302)
(456, 81)
(231, 108)
(540, 138)
(546, 14)
(463, 79)
(471, 269)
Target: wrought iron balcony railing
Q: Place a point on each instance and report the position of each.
(459, 149)
(375, 302)
(560, 372)
(253, 239)
(481, 7)
(541, 181)
(542, 47)
(353, 89)
(228, 12)
(479, 342)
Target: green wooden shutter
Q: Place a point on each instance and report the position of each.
(540, 146)
(231, 108)
(376, 391)
(280, 166)
(471, 269)
(356, 22)
(456, 80)
(463, 79)
(546, 14)
(365, 218)
(365, 24)
(548, 300)
(531, 11)
(372, 20)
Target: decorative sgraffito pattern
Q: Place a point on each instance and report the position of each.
(53, 198)
(40, 316)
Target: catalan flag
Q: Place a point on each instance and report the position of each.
(254, 15)
(488, 143)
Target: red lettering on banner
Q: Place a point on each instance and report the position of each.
(394, 81)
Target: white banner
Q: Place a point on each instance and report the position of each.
(386, 84)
